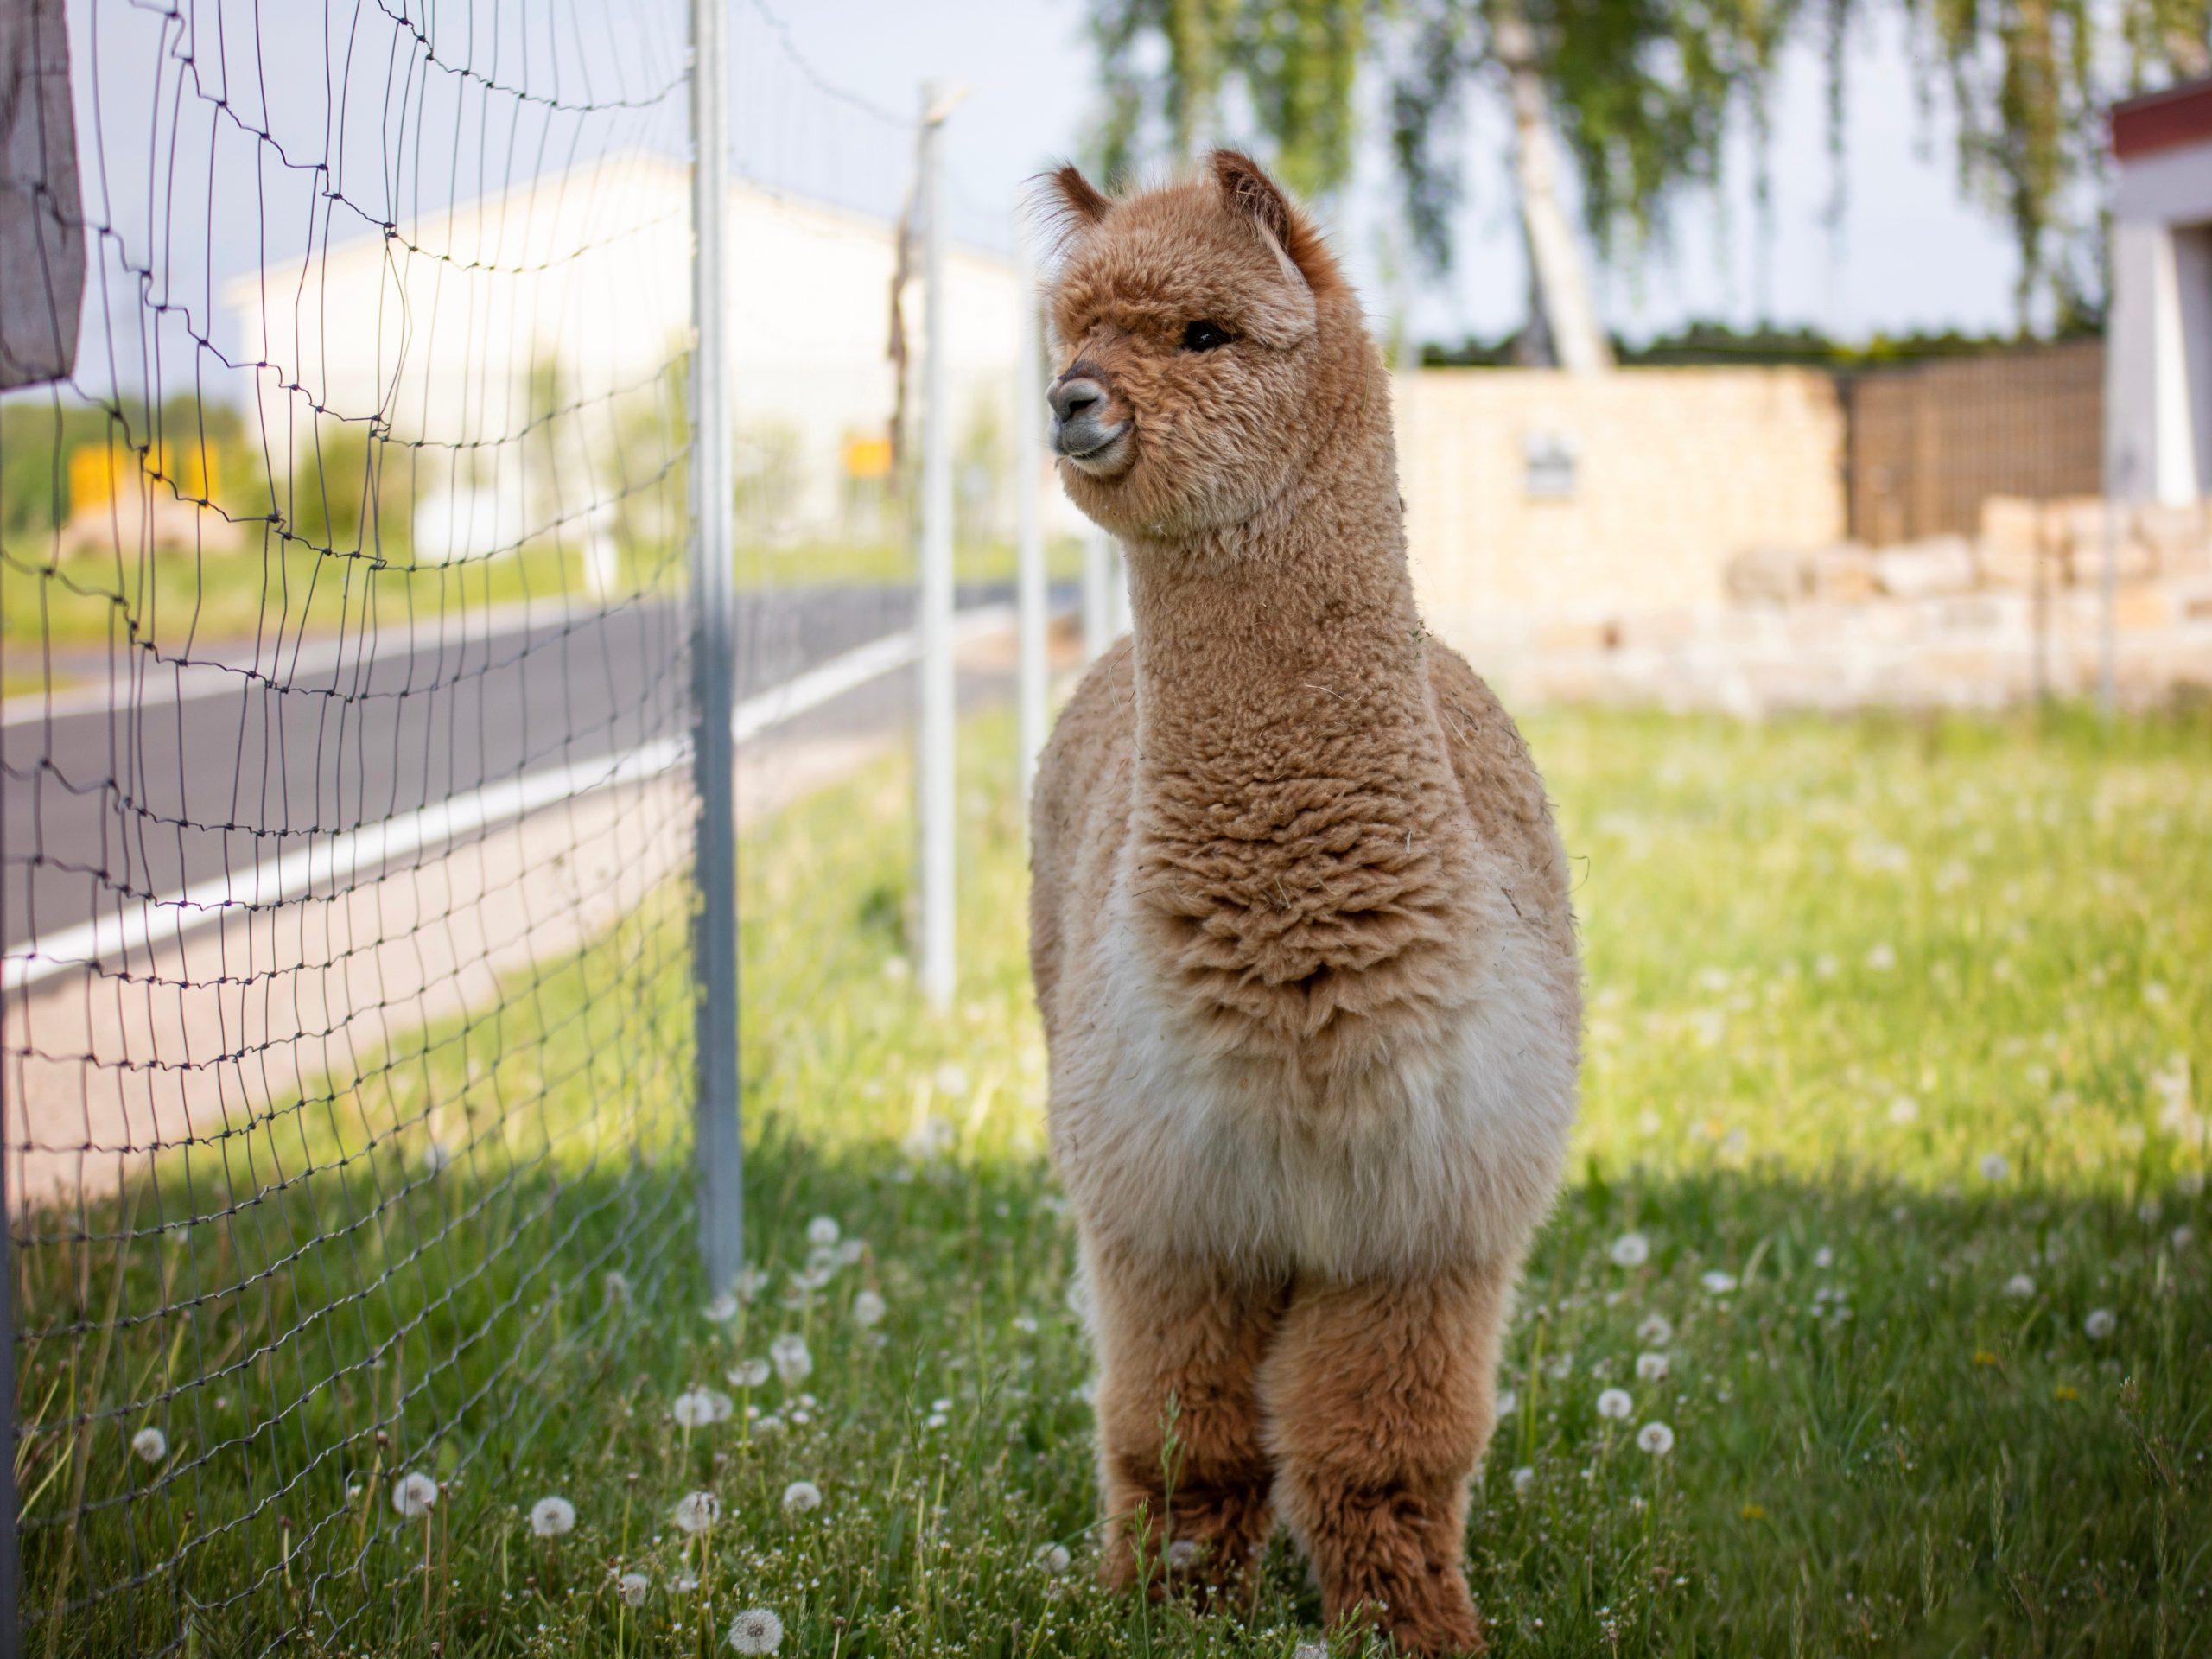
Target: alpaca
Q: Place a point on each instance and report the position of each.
(1300, 933)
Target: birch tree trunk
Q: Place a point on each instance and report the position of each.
(1559, 282)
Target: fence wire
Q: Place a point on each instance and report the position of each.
(346, 659)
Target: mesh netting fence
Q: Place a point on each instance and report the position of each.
(347, 654)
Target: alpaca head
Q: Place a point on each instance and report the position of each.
(1204, 338)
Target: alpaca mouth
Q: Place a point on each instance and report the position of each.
(1091, 451)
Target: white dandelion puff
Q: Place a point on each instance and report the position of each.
(748, 1374)
(1882, 958)
(1824, 1258)
(869, 1309)
(1523, 1478)
(150, 1443)
(722, 1309)
(1631, 1250)
(615, 1289)
(1994, 1166)
(756, 1631)
(928, 1141)
(751, 1281)
(551, 1516)
(415, 1495)
(1615, 1403)
(683, 1583)
(800, 1497)
(631, 1587)
(2020, 1287)
(951, 1079)
(1508, 1402)
(1657, 1329)
(850, 1250)
(1903, 1110)
(1652, 1367)
(823, 1232)
(769, 1425)
(1718, 1283)
(1182, 1555)
(1054, 1559)
(1656, 1439)
(2101, 1323)
(696, 1407)
(789, 1355)
(695, 1511)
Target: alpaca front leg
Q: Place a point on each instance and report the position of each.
(1182, 1459)
(1381, 1396)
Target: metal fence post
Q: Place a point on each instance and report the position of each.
(11, 1614)
(714, 668)
(1030, 598)
(935, 758)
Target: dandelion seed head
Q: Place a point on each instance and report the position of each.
(2020, 1287)
(748, 1374)
(801, 1497)
(1182, 1555)
(1631, 1250)
(414, 1495)
(695, 1511)
(551, 1516)
(1656, 1439)
(1509, 1402)
(1523, 1478)
(756, 1631)
(791, 1359)
(722, 1309)
(869, 1309)
(631, 1587)
(1718, 1283)
(1652, 1367)
(151, 1445)
(2101, 1323)
(823, 1232)
(1615, 1403)
(1053, 1559)
(1994, 1166)
(697, 1407)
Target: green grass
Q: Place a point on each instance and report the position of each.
(1883, 1014)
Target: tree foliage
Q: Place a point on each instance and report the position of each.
(1646, 93)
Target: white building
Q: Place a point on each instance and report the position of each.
(571, 291)
(2158, 356)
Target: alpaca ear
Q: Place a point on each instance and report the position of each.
(1068, 204)
(1254, 196)
(1251, 192)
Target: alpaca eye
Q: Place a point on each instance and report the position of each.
(1203, 336)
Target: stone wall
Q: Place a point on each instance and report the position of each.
(1576, 500)
(1676, 537)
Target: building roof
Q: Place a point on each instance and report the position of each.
(2164, 120)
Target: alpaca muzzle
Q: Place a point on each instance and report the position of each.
(1084, 429)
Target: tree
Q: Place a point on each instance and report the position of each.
(1642, 95)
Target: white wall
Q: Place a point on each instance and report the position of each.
(2159, 365)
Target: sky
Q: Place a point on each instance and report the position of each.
(1915, 252)
(822, 98)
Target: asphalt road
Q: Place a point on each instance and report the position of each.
(193, 774)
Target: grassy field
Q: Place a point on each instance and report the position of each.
(1894, 1151)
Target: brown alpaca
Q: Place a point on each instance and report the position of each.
(1301, 932)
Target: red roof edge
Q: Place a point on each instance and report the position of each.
(2179, 115)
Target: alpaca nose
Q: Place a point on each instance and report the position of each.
(1072, 397)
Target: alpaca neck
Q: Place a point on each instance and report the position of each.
(1293, 825)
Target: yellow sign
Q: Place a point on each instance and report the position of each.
(867, 456)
